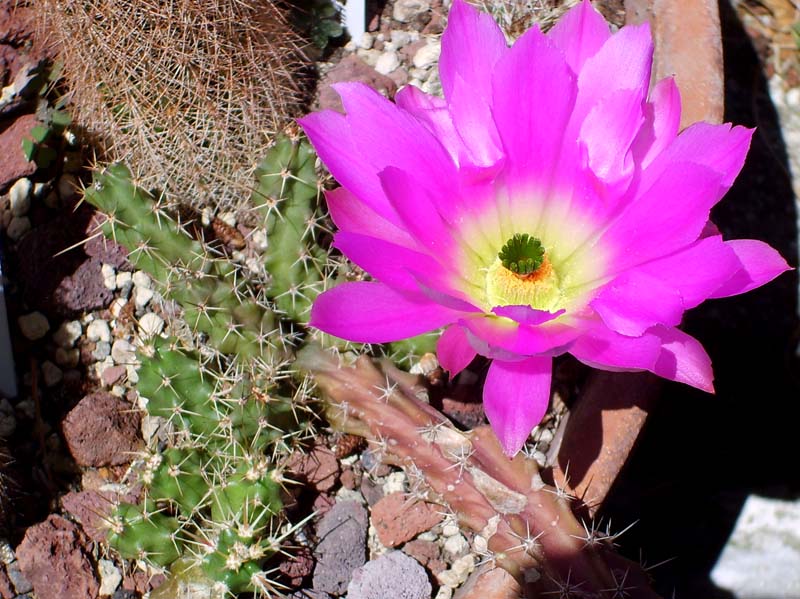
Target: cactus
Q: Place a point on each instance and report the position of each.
(528, 526)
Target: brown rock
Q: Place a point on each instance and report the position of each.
(426, 553)
(6, 588)
(318, 468)
(141, 582)
(352, 68)
(398, 518)
(55, 557)
(298, 566)
(13, 164)
(91, 509)
(350, 480)
(489, 583)
(468, 414)
(102, 430)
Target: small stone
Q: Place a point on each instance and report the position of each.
(110, 577)
(142, 279)
(142, 297)
(455, 546)
(259, 240)
(19, 197)
(21, 583)
(7, 590)
(68, 333)
(395, 483)
(793, 97)
(400, 38)
(109, 276)
(426, 553)
(39, 189)
(124, 281)
(394, 574)
(458, 572)
(450, 529)
(116, 306)
(123, 352)
(101, 351)
(26, 408)
(98, 330)
(133, 373)
(407, 11)
(427, 55)
(387, 63)
(51, 374)
(8, 421)
(150, 325)
(489, 583)
(319, 467)
(67, 187)
(33, 326)
(18, 226)
(444, 593)
(68, 358)
(366, 40)
(111, 374)
(342, 534)
(398, 518)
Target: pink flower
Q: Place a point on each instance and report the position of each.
(547, 205)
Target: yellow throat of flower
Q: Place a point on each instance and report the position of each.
(539, 289)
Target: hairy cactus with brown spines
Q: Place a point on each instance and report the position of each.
(187, 91)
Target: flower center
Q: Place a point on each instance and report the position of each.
(522, 275)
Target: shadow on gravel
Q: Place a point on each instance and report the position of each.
(701, 454)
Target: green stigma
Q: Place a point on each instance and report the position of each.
(522, 254)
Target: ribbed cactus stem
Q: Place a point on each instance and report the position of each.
(528, 524)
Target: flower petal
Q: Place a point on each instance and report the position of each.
(518, 339)
(579, 34)
(602, 348)
(683, 359)
(515, 397)
(526, 314)
(472, 117)
(454, 351)
(433, 112)
(351, 214)
(662, 121)
(374, 313)
(758, 264)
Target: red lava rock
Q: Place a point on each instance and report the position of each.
(91, 509)
(112, 374)
(371, 492)
(55, 557)
(102, 430)
(6, 588)
(398, 518)
(352, 68)
(298, 566)
(141, 582)
(323, 503)
(350, 479)
(468, 414)
(408, 51)
(319, 467)
(83, 290)
(12, 161)
(393, 574)
(105, 250)
(342, 535)
(489, 583)
(426, 553)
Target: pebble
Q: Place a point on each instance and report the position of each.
(67, 357)
(51, 374)
(427, 55)
(395, 483)
(455, 546)
(341, 548)
(406, 11)
(98, 330)
(793, 97)
(109, 274)
(401, 38)
(33, 326)
(68, 333)
(27, 408)
(150, 325)
(394, 574)
(444, 593)
(19, 197)
(116, 306)
(450, 529)
(123, 352)
(133, 374)
(142, 297)
(259, 240)
(18, 226)
(366, 40)
(458, 572)
(39, 190)
(8, 421)
(102, 350)
(67, 187)
(110, 577)
(141, 279)
(388, 62)
(124, 281)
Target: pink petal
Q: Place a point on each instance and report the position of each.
(515, 397)
(579, 34)
(758, 264)
(602, 348)
(374, 313)
(533, 94)
(454, 351)
(330, 134)
(471, 45)
(496, 333)
(662, 120)
(668, 216)
(472, 116)
(636, 301)
(526, 314)
(351, 214)
(683, 359)
(387, 262)
(433, 112)
(608, 132)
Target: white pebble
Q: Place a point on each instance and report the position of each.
(39, 189)
(102, 349)
(18, 226)
(110, 577)
(123, 352)
(366, 40)
(387, 63)
(444, 593)
(150, 325)
(109, 276)
(142, 297)
(400, 38)
(67, 358)
(133, 374)
(458, 572)
(259, 240)
(793, 97)
(229, 218)
(142, 279)
(34, 325)
(450, 530)
(98, 330)
(51, 373)
(406, 11)
(19, 197)
(427, 55)
(116, 306)
(455, 546)
(67, 187)
(395, 482)
(68, 333)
